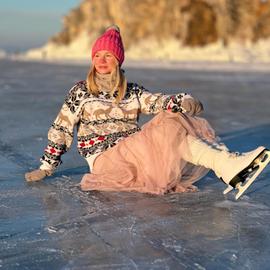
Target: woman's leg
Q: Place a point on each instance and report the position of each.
(225, 164)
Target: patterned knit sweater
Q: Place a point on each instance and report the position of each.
(101, 123)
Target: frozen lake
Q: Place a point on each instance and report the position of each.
(54, 225)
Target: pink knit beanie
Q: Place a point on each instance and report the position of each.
(110, 41)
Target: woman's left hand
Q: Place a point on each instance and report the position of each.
(192, 106)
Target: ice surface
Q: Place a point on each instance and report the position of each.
(54, 225)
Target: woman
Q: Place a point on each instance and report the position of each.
(168, 154)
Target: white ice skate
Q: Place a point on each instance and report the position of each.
(248, 175)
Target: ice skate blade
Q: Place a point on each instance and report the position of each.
(262, 160)
(228, 189)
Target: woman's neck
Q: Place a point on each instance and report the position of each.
(104, 81)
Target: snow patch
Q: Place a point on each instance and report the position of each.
(173, 50)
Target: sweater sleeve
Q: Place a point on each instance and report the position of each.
(154, 103)
(60, 135)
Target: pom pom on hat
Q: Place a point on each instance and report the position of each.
(114, 26)
(110, 41)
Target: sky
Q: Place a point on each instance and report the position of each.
(26, 24)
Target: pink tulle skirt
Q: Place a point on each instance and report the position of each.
(151, 160)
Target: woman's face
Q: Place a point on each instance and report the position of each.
(104, 62)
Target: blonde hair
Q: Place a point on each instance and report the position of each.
(118, 83)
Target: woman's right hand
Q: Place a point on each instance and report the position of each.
(37, 175)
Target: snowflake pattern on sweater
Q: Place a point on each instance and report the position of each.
(100, 122)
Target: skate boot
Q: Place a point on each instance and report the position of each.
(246, 169)
(235, 170)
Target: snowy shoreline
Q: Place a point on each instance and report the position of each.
(158, 64)
(157, 55)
